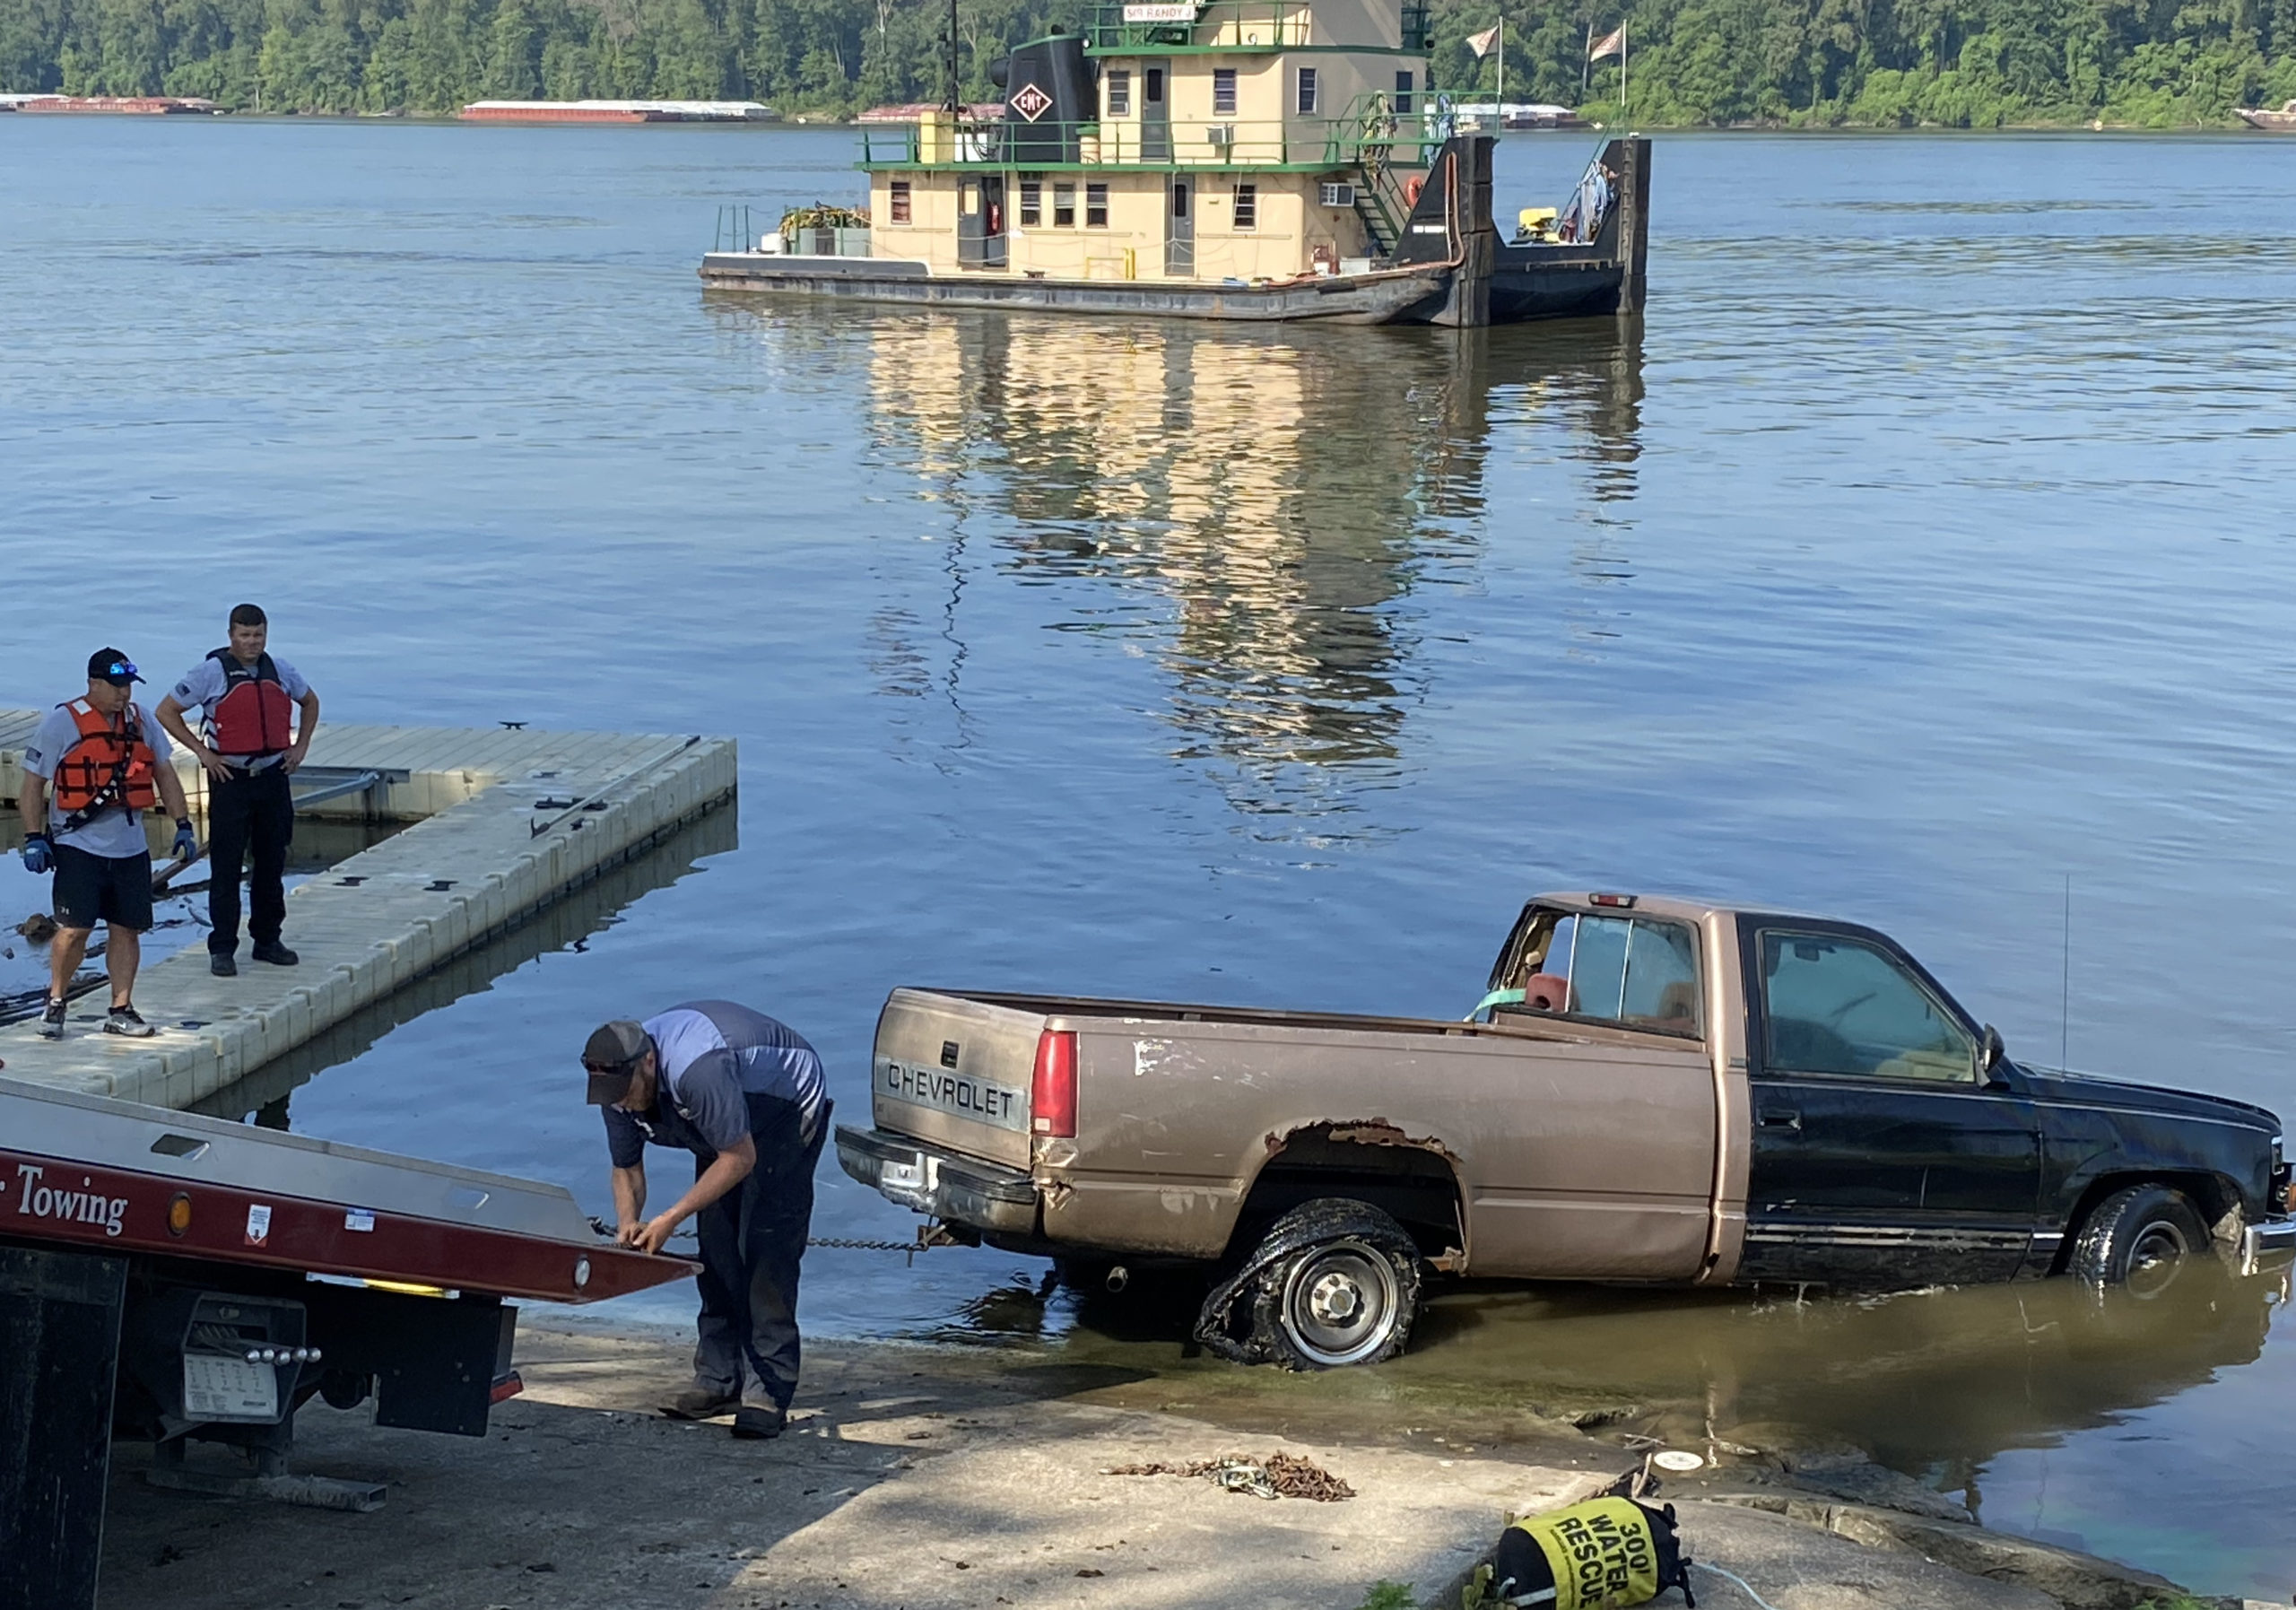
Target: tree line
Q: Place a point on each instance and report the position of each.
(1958, 63)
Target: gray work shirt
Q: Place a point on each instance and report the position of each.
(714, 1057)
(204, 684)
(116, 832)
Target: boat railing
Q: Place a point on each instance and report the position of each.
(1371, 136)
(1224, 25)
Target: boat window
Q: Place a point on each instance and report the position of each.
(901, 201)
(1064, 206)
(1096, 206)
(1031, 203)
(1119, 82)
(1152, 85)
(1223, 92)
(1405, 85)
(1179, 199)
(1246, 206)
(1307, 92)
(1839, 1005)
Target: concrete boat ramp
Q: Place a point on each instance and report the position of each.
(504, 821)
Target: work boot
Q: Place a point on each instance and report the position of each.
(700, 1403)
(276, 953)
(221, 965)
(126, 1020)
(51, 1020)
(759, 1418)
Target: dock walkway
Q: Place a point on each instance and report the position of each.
(504, 822)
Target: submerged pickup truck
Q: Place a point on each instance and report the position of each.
(1653, 1091)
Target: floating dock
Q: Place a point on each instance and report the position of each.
(504, 822)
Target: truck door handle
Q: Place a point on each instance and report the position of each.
(1778, 1118)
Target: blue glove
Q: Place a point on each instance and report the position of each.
(39, 853)
(186, 841)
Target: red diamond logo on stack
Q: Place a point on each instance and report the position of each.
(1031, 103)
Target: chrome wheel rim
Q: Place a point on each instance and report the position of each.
(1340, 1303)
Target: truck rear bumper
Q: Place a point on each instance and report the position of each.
(2270, 1243)
(963, 1190)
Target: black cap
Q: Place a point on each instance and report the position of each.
(611, 1055)
(110, 665)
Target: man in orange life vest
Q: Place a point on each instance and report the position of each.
(90, 771)
(253, 743)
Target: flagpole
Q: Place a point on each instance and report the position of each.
(1503, 70)
(1622, 67)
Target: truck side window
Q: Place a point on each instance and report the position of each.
(1636, 971)
(1837, 1006)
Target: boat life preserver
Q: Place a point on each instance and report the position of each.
(107, 765)
(251, 720)
(1412, 187)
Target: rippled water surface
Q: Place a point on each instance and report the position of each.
(1928, 547)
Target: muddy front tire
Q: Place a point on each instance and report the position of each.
(2138, 1238)
(1344, 1291)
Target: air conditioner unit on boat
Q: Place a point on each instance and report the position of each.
(1222, 134)
(1336, 196)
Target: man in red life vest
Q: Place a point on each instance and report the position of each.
(90, 771)
(253, 743)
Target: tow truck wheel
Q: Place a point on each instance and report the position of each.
(2137, 1238)
(1345, 1291)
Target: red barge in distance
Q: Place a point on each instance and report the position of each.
(132, 105)
(170, 1277)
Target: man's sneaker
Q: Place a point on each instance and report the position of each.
(127, 1020)
(276, 953)
(221, 965)
(700, 1403)
(756, 1421)
(51, 1021)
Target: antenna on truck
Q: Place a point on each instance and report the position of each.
(2065, 988)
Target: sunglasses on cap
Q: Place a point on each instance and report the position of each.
(120, 668)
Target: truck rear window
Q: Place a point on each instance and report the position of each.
(1634, 970)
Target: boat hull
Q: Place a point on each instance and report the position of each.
(1398, 296)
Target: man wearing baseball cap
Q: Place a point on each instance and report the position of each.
(94, 766)
(745, 1095)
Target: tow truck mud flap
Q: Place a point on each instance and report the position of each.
(433, 1363)
(60, 1346)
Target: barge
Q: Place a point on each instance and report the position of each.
(1245, 160)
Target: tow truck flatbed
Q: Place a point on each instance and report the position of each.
(172, 1278)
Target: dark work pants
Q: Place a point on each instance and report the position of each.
(253, 811)
(751, 1240)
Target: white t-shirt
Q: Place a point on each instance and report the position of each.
(115, 831)
(206, 682)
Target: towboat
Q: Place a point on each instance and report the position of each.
(2282, 122)
(1253, 159)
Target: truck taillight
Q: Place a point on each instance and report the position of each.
(1052, 1093)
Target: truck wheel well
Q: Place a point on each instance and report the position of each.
(2216, 1197)
(1411, 1183)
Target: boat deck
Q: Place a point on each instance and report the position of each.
(504, 824)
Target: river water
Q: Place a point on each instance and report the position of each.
(1924, 558)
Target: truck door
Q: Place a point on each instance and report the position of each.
(1879, 1157)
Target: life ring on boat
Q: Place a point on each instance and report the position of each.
(1412, 187)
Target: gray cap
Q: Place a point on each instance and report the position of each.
(611, 1055)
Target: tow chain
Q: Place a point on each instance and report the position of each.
(846, 1244)
(927, 1239)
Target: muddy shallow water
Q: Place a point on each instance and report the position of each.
(1925, 553)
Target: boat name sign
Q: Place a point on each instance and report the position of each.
(1160, 11)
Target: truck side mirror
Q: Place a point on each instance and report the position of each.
(1994, 1053)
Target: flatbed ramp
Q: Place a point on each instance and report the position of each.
(504, 821)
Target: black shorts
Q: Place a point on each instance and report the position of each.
(112, 889)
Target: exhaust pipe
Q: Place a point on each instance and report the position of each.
(1117, 1279)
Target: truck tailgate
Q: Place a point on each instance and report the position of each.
(956, 1072)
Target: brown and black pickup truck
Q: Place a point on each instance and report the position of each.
(1653, 1091)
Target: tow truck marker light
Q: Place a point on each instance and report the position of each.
(178, 1212)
